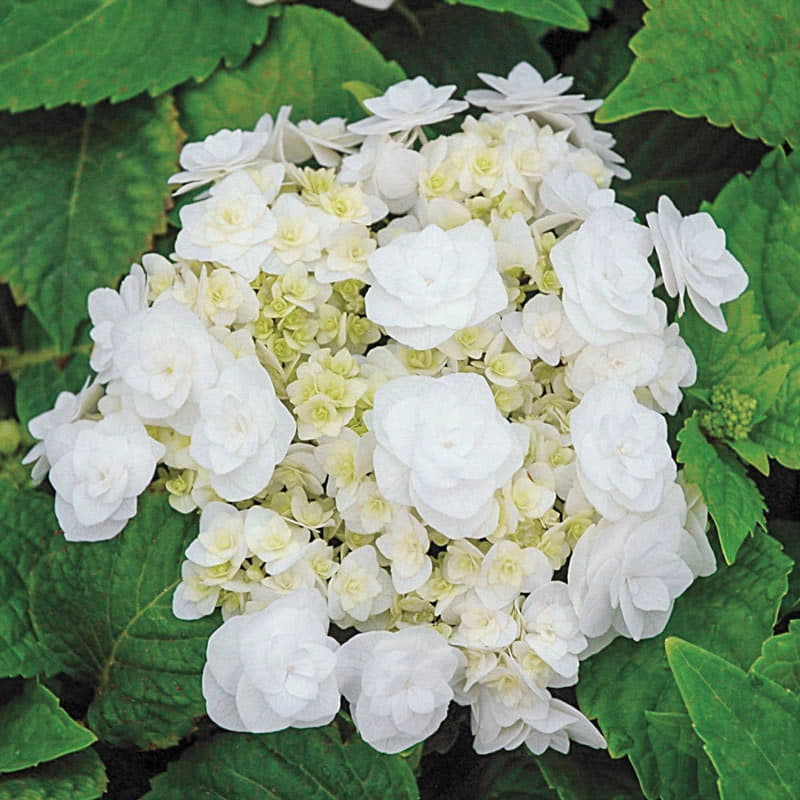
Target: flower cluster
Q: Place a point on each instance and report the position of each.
(412, 387)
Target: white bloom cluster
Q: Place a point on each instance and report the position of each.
(414, 389)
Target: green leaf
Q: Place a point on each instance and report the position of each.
(27, 529)
(457, 43)
(564, 13)
(686, 773)
(787, 532)
(80, 776)
(744, 720)
(695, 171)
(63, 51)
(733, 499)
(780, 659)
(309, 55)
(35, 728)
(751, 453)
(761, 218)
(294, 764)
(779, 433)
(86, 190)
(730, 61)
(730, 613)
(512, 776)
(586, 774)
(593, 8)
(106, 610)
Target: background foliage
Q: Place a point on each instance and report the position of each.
(100, 684)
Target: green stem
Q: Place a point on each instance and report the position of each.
(410, 17)
(12, 359)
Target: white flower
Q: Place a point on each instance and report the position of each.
(299, 228)
(194, 596)
(165, 360)
(551, 628)
(270, 537)
(430, 284)
(218, 155)
(691, 252)
(542, 330)
(625, 575)
(99, 469)
(676, 369)
(695, 549)
(479, 627)
(108, 309)
(68, 407)
(325, 141)
(348, 248)
(359, 589)
(273, 669)
(443, 447)
(507, 570)
(624, 461)
(221, 538)
(242, 432)
(233, 227)
(398, 684)
(562, 724)
(524, 91)
(407, 105)
(405, 544)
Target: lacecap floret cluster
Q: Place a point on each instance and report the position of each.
(413, 386)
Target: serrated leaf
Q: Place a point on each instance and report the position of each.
(34, 728)
(564, 13)
(27, 529)
(686, 773)
(730, 613)
(780, 659)
(761, 219)
(309, 55)
(80, 776)
(733, 499)
(586, 774)
(744, 720)
(457, 43)
(106, 610)
(752, 453)
(62, 51)
(85, 191)
(294, 764)
(727, 60)
(787, 532)
(593, 8)
(779, 433)
(512, 776)
(706, 159)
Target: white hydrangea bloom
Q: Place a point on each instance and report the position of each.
(607, 279)
(221, 539)
(407, 105)
(273, 669)
(194, 597)
(542, 330)
(624, 460)
(430, 284)
(507, 571)
(233, 227)
(398, 684)
(625, 575)
(107, 310)
(562, 724)
(68, 407)
(676, 369)
(443, 448)
(326, 141)
(272, 539)
(242, 431)
(694, 261)
(347, 249)
(218, 155)
(360, 588)
(99, 469)
(480, 627)
(405, 544)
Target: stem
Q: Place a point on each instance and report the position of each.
(410, 17)
(12, 359)
(659, 282)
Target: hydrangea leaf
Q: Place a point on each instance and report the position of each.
(62, 51)
(779, 433)
(745, 721)
(787, 532)
(780, 659)
(587, 774)
(106, 611)
(311, 764)
(593, 8)
(761, 218)
(27, 529)
(309, 55)
(80, 776)
(86, 190)
(707, 158)
(733, 499)
(625, 680)
(457, 43)
(512, 776)
(35, 728)
(564, 13)
(727, 60)
(686, 773)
